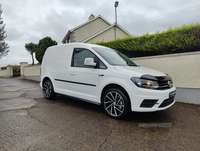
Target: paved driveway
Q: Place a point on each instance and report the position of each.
(29, 122)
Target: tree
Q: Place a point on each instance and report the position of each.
(42, 46)
(31, 48)
(3, 45)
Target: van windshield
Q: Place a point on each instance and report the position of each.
(114, 57)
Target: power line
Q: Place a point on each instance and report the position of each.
(168, 15)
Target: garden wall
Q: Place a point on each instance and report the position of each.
(184, 68)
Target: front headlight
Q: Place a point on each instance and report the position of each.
(143, 83)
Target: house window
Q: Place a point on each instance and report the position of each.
(68, 40)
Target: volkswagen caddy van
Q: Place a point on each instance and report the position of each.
(106, 77)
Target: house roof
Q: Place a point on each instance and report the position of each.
(71, 30)
(106, 30)
(89, 21)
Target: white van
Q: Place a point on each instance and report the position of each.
(106, 77)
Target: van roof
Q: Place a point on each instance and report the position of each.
(77, 44)
(84, 45)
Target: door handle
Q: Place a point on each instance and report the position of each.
(101, 75)
(73, 73)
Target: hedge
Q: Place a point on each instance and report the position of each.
(178, 40)
(3, 68)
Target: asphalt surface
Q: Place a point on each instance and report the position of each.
(28, 122)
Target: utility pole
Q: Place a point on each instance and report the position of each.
(116, 4)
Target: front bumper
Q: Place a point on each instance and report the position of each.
(145, 100)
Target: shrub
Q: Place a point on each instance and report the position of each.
(3, 68)
(178, 40)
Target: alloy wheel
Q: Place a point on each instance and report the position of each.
(47, 88)
(114, 104)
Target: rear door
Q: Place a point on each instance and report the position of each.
(84, 80)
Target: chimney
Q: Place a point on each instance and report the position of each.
(91, 17)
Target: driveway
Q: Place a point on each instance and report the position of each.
(28, 122)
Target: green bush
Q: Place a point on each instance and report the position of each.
(16, 71)
(178, 40)
(3, 68)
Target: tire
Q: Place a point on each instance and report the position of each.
(48, 91)
(116, 104)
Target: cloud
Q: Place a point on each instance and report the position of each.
(29, 21)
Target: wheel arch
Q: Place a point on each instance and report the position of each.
(45, 78)
(113, 85)
(48, 89)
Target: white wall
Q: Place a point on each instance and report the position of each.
(8, 73)
(32, 72)
(3, 73)
(184, 68)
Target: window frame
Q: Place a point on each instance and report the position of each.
(96, 60)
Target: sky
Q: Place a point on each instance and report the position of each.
(31, 20)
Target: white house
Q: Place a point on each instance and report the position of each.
(96, 29)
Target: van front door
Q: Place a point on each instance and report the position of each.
(83, 79)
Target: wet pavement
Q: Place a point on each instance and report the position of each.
(28, 122)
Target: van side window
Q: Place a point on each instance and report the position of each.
(101, 65)
(79, 57)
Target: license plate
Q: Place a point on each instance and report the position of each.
(172, 94)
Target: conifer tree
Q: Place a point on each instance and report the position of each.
(3, 45)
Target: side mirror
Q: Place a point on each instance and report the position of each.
(89, 62)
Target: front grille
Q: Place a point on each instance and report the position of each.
(164, 83)
(167, 102)
(148, 103)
